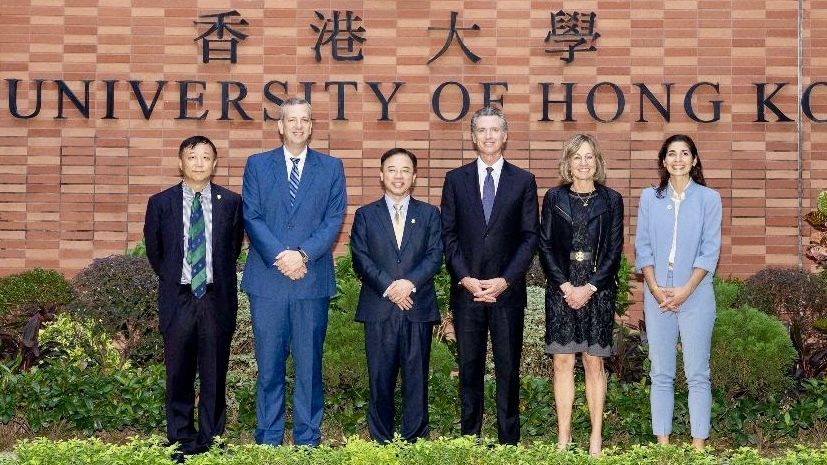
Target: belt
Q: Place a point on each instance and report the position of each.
(188, 287)
(580, 255)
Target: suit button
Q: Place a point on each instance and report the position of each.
(398, 261)
(289, 226)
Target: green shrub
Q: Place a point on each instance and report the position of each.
(90, 398)
(121, 294)
(534, 360)
(33, 288)
(138, 251)
(78, 340)
(354, 451)
(799, 299)
(727, 291)
(751, 353)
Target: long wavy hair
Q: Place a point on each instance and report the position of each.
(696, 172)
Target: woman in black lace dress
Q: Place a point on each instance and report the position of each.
(581, 240)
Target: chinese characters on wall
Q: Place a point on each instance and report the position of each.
(345, 35)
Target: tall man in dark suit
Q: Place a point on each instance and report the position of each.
(490, 230)
(397, 250)
(294, 204)
(193, 234)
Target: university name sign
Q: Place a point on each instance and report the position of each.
(450, 100)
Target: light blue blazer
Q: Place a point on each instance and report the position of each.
(698, 243)
(313, 223)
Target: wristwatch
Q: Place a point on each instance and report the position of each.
(592, 287)
(305, 258)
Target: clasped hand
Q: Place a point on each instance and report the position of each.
(671, 298)
(291, 264)
(399, 292)
(485, 290)
(576, 297)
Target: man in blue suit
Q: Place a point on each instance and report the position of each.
(294, 203)
(193, 233)
(490, 229)
(397, 250)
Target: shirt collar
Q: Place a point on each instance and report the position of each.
(679, 197)
(389, 202)
(205, 192)
(498, 165)
(288, 155)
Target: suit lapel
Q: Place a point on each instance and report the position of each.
(410, 224)
(472, 187)
(502, 191)
(307, 179)
(177, 212)
(217, 203)
(278, 173)
(383, 217)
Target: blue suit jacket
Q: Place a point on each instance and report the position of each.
(502, 248)
(164, 232)
(378, 261)
(312, 223)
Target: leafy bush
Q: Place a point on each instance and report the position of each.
(751, 353)
(138, 251)
(798, 299)
(121, 294)
(727, 291)
(354, 451)
(79, 341)
(534, 360)
(89, 398)
(33, 288)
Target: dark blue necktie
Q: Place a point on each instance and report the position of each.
(197, 249)
(294, 180)
(488, 194)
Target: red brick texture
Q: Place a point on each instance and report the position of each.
(75, 188)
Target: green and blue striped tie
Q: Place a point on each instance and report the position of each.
(197, 249)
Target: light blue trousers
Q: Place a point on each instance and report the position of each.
(693, 323)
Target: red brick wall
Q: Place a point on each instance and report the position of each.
(73, 189)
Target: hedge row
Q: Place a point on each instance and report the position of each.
(462, 451)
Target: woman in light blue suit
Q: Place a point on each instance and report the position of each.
(677, 245)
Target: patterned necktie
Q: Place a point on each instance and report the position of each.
(197, 249)
(398, 227)
(294, 180)
(488, 194)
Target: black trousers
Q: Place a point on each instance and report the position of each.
(472, 324)
(194, 342)
(393, 345)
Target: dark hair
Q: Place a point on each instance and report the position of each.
(398, 151)
(191, 142)
(696, 172)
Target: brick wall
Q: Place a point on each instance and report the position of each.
(75, 188)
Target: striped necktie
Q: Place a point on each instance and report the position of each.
(197, 249)
(294, 180)
(398, 227)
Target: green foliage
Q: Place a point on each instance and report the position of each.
(121, 294)
(89, 398)
(799, 299)
(727, 291)
(79, 341)
(355, 451)
(348, 285)
(138, 251)
(751, 353)
(822, 202)
(36, 287)
(623, 299)
(534, 360)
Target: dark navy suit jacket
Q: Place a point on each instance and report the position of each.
(378, 261)
(164, 236)
(502, 248)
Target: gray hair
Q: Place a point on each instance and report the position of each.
(489, 111)
(292, 101)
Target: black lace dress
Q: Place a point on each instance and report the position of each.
(588, 329)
